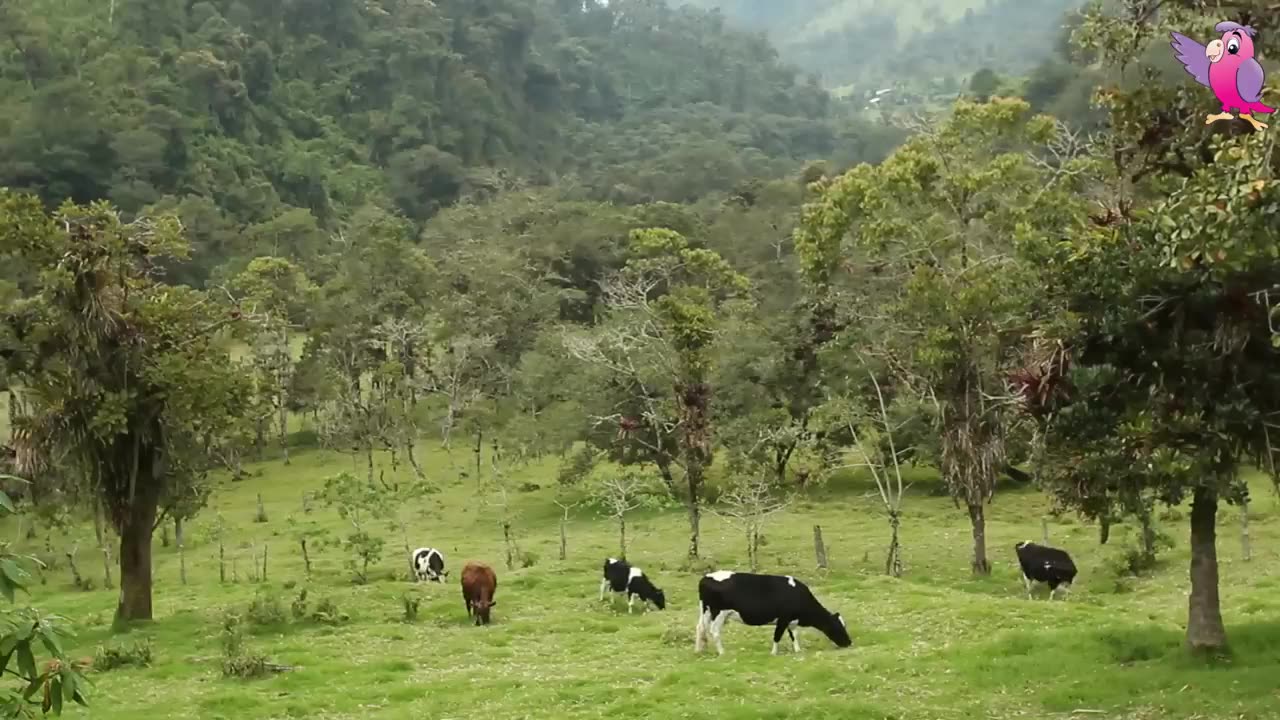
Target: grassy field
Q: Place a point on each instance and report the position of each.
(937, 644)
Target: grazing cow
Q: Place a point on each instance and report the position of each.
(761, 600)
(619, 576)
(479, 583)
(1044, 564)
(428, 564)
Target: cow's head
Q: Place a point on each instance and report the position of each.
(837, 631)
(481, 607)
(659, 599)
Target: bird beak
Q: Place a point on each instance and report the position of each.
(1213, 51)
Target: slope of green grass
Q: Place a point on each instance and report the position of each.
(936, 644)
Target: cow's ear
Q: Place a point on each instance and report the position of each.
(492, 603)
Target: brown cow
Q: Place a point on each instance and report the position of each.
(479, 583)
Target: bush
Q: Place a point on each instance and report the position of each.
(411, 603)
(136, 654)
(327, 612)
(299, 605)
(266, 611)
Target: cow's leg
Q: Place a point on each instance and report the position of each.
(467, 601)
(781, 627)
(1027, 581)
(631, 601)
(792, 630)
(717, 626)
(604, 583)
(700, 632)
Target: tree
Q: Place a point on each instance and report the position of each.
(276, 295)
(1169, 323)
(934, 237)
(622, 492)
(749, 502)
(668, 302)
(123, 376)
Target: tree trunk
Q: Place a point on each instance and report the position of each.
(819, 547)
(100, 533)
(1205, 631)
(1148, 534)
(284, 427)
(260, 437)
(1044, 530)
(413, 461)
(622, 537)
(506, 541)
(306, 558)
(978, 519)
(182, 555)
(564, 539)
(478, 448)
(893, 560)
(1104, 529)
(695, 523)
(135, 561)
(368, 457)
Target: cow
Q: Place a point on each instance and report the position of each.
(428, 564)
(479, 583)
(620, 576)
(1041, 563)
(760, 600)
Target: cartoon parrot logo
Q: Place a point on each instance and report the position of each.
(1227, 67)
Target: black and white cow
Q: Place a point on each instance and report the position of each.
(1044, 564)
(761, 600)
(428, 564)
(620, 576)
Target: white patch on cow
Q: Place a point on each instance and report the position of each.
(631, 599)
(700, 632)
(720, 575)
(612, 561)
(717, 626)
(635, 573)
(775, 649)
(842, 623)
(791, 581)
(795, 637)
(603, 585)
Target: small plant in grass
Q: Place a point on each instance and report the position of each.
(299, 606)
(411, 601)
(237, 660)
(327, 612)
(266, 611)
(358, 502)
(135, 654)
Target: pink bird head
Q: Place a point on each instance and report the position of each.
(1234, 47)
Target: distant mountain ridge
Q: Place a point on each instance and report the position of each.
(871, 41)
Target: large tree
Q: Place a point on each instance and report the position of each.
(935, 237)
(124, 384)
(1171, 360)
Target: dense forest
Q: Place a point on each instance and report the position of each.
(265, 125)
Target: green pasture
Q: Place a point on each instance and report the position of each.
(937, 644)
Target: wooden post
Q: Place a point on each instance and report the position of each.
(222, 560)
(819, 547)
(99, 531)
(264, 561)
(182, 554)
(1245, 550)
(75, 571)
(262, 511)
(306, 559)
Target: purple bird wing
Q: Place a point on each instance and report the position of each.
(1191, 54)
(1249, 80)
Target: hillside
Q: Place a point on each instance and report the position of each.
(881, 43)
(266, 124)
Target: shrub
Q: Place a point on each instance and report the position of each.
(299, 605)
(411, 603)
(266, 611)
(136, 654)
(327, 612)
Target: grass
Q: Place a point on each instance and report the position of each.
(937, 644)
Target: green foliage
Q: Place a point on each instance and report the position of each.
(139, 654)
(266, 610)
(23, 632)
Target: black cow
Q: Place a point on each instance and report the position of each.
(428, 564)
(761, 600)
(1047, 565)
(620, 576)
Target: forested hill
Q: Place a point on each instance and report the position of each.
(265, 123)
(887, 42)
